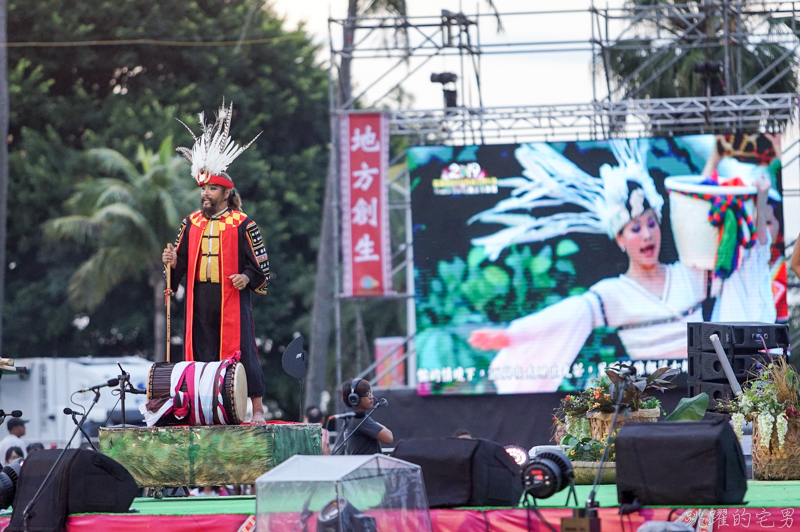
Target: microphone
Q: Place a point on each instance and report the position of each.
(13, 413)
(383, 402)
(112, 382)
(68, 411)
(358, 414)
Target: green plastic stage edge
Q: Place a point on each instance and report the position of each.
(160, 457)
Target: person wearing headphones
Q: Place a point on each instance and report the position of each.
(369, 434)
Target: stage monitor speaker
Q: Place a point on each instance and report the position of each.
(717, 391)
(742, 337)
(84, 482)
(705, 366)
(680, 463)
(459, 472)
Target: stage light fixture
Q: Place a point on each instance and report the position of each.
(547, 473)
(450, 94)
(444, 77)
(713, 84)
(518, 454)
(8, 483)
(341, 516)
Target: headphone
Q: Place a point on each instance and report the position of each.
(353, 399)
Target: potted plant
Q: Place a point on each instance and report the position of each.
(570, 417)
(770, 401)
(585, 454)
(636, 404)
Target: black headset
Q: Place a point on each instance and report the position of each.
(353, 399)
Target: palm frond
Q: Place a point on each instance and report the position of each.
(114, 161)
(165, 151)
(394, 7)
(100, 274)
(111, 191)
(80, 229)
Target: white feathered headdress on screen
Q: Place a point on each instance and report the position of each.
(590, 204)
(214, 150)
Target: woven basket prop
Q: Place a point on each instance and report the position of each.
(774, 463)
(600, 423)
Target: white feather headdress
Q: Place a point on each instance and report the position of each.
(606, 204)
(214, 150)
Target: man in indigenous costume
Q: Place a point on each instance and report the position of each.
(220, 251)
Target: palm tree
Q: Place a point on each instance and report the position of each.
(127, 220)
(642, 67)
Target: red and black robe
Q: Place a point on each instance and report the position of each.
(241, 250)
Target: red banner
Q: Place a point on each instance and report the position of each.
(366, 252)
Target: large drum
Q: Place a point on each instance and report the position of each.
(233, 392)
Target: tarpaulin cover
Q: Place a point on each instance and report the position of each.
(209, 455)
(342, 490)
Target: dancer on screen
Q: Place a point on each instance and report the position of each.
(649, 305)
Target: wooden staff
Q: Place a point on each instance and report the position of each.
(168, 301)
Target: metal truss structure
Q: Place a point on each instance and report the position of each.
(597, 120)
(664, 34)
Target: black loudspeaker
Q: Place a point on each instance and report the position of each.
(459, 472)
(84, 482)
(705, 366)
(741, 337)
(717, 391)
(680, 463)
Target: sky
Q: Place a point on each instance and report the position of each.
(507, 79)
(544, 78)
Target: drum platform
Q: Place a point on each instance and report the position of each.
(159, 457)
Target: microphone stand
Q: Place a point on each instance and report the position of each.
(350, 435)
(26, 514)
(80, 426)
(123, 378)
(620, 389)
(125, 386)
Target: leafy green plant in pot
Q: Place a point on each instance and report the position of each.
(636, 393)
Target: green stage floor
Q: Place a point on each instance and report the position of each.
(759, 495)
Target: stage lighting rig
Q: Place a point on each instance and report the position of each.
(710, 72)
(448, 81)
(548, 472)
(341, 516)
(8, 483)
(518, 454)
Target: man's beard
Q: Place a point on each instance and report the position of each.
(212, 208)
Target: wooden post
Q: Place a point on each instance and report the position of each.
(168, 302)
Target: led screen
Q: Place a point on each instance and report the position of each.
(536, 265)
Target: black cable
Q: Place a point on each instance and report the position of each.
(528, 516)
(485, 519)
(111, 412)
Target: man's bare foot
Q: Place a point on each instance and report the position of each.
(258, 411)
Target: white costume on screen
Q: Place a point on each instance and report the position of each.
(747, 294)
(545, 344)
